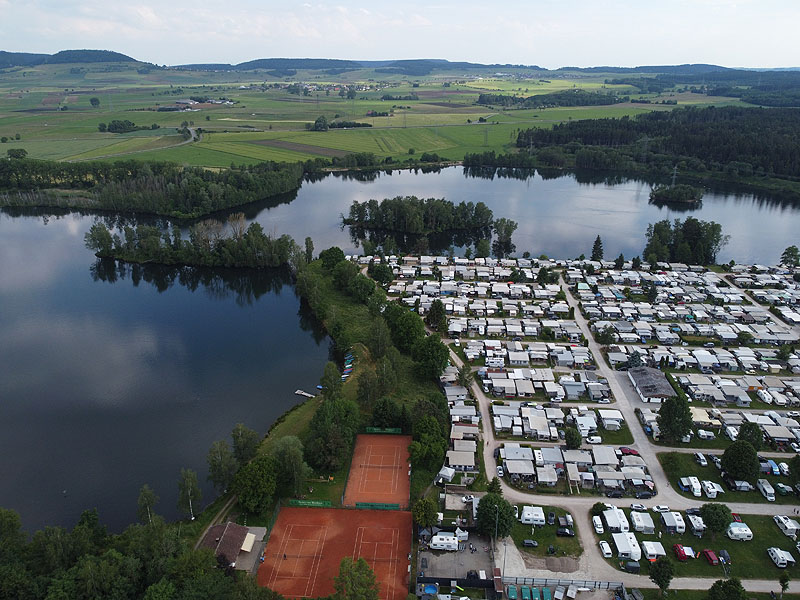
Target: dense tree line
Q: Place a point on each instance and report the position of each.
(516, 160)
(124, 126)
(208, 245)
(575, 97)
(147, 560)
(156, 187)
(691, 241)
(731, 140)
(409, 214)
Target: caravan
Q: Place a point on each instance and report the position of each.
(444, 541)
(739, 532)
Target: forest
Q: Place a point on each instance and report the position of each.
(211, 243)
(731, 141)
(409, 214)
(161, 188)
(692, 242)
(576, 97)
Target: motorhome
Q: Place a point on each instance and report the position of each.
(766, 489)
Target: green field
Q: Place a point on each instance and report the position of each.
(48, 106)
(677, 465)
(749, 560)
(546, 536)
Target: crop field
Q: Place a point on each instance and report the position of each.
(256, 118)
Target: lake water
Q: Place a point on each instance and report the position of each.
(111, 378)
(558, 217)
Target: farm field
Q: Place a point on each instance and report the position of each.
(255, 118)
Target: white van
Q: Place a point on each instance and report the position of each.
(766, 489)
(705, 435)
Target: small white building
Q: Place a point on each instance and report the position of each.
(444, 540)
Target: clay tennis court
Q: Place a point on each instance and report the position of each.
(307, 544)
(379, 470)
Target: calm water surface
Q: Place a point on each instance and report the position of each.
(112, 379)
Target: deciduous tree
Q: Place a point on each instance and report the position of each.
(495, 515)
(424, 512)
(674, 419)
(145, 504)
(254, 484)
(245, 443)
(291, 470)
(189, 493)
(661, 573)
(222, 465)
(716, 516)
(751, 432)
(355, 581)
(740, 461)
(727, 589)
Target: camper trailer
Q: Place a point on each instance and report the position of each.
(444, 541)
(739, 532)
(788, 526)
(627, 546)
(532, 515)
(690, 484)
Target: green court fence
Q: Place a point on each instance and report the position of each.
(310, 503)
(390, 430)
(377, 506)
(273, 518)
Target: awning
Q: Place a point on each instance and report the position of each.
(249, 540)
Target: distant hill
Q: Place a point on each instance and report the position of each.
(87, 56)
(27, 59)
(697, 69)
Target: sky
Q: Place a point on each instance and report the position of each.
(549, 33)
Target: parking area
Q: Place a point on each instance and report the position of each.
(458, 564)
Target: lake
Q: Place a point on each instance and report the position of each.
(112, 377)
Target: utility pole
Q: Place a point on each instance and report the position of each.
(674, 175)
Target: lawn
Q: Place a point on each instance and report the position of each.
(621, 437)
(749, 560)
(546, 536)
(677, 465)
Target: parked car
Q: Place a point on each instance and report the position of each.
(469, 498)
(605, 549)
(628, 451)
(594, 439)
(701, 459)
(516, 511)
(551, 518)
(784, 469)
(795, 447)
(693, 511)
(565, 532)
(617, 494)
(711, 557)
(724, 556)
(660, 508)
(530, 543)
(644, 495)
(597, 522)
(716, 460)
(500, 471)
(709, 345)
(638, 507)
(680, 553)
(736, 517)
